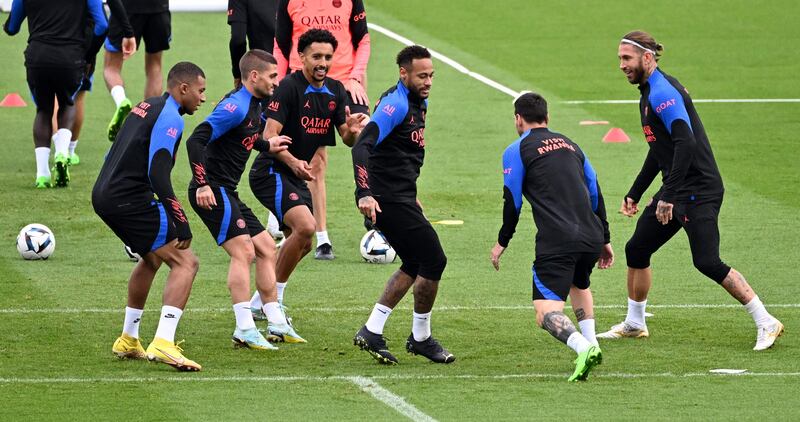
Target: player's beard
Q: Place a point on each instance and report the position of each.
(321, 70)
(638, 73)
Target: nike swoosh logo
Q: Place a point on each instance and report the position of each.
(177, 361)
(383, 312)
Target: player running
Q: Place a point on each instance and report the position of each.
(218, 151)
(306, 107)
(387, 159)
(556, 178)
(151, 21)
(690, 196)
(137, 167)
(55, 62)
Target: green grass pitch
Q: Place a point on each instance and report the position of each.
(58, 318)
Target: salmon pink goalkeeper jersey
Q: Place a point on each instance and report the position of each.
(345, 19)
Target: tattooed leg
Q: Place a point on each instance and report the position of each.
(737, 286)
(558, 325)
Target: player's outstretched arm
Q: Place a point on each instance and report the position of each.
(352, 127)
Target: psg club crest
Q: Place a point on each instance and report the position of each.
(241, 223)
(293, 196)
(332, 105)
(337, 3)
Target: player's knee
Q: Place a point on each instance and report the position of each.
(712, 267)
(245, 254)
(636, 255)
(305, 229)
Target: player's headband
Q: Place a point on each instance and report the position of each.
(631, 42)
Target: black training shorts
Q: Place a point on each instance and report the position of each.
(143, 229)
(230, 218)
(154, 28)
(554, 275)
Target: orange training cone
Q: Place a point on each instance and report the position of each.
(616, 135)
(13, 100)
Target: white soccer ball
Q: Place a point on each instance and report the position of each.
(36, 241)
(375, 249)
(133, 256)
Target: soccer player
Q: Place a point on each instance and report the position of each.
(690, 196)
(218, 151)
(55, 61)
(137, 167)
(128, 48)
(151, 20)
(387, 159)
(556, 178)
(347, 21)
(253, 22)
(306, 107)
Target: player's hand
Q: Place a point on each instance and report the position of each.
(497, 252)
(357, 91)
(663, 212)
(355, 122)
(369, 207)
(606, 257)
(629, 207)
(279, 143)
(205, 197)
(128, 47)
(301, 169)
(183, 244)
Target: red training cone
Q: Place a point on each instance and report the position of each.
(13, 100)
(616, 135)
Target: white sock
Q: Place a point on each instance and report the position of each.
(758, 312)
(274, 313)
(587, 329)
(244, 318)
(118, 94)
(322, 238)
(61, 140)
(280, 287)
(635, 316)
(132, 319)
(72, 146)
(42, 161)
(272, 223)
(377, 319)
(421, 326)
(578, 342)
(255, 301)
(170, 316)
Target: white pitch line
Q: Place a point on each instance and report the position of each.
(390, 399)
(191, 378)
(444, 308)
(506, 90)
(700, 100)
(447, 60)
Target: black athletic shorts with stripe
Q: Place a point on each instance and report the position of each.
(413, 238)
(280, 193)
(143, 229)
(554, 275)
(50, 83)
(230, 218)
(154, 28)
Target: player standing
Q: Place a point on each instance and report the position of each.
(347, 21)
(218, 151)
(151, 21)
(387, 159)
(556, 178)
(306, 107)
(137, 167)
(253, 22)
(55, 63)
(689, 198)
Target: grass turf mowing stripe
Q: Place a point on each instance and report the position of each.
(390, 399)
(398, 377)
(401, 308)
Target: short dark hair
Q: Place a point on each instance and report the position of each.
(316, 35)
(257, 60)
(408, 54)
(532, 107)
(183, 72)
